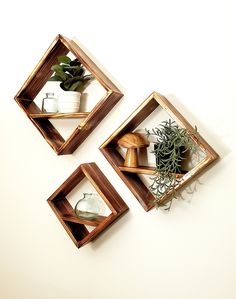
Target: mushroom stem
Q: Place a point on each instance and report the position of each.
(131, 158)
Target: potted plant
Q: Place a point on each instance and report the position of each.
(71, 74)
(170, 147)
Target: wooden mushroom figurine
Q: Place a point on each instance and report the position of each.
(132, 141)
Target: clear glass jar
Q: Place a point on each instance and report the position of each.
(89, 207)
(49, 104)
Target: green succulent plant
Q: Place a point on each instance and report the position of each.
(170, 146)
(71, 74)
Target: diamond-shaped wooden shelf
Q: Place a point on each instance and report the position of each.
(75, 226)
(130, 175)
(38, 78)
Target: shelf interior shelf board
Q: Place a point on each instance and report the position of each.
(91, 222)
(60, 115)
(144, 170)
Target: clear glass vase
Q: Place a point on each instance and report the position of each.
(49, 104)
(88, 207)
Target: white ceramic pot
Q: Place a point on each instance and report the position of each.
(69, 102)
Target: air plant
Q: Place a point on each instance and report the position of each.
(171, 144)
(71, 74)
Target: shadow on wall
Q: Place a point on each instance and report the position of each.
(110, 232)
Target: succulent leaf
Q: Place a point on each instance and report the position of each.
(55, 78)
(75, 86)
(64, 59)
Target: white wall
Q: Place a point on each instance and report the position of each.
(182, 49)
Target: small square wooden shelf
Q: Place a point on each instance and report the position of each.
(75, 226)
(38, 78)
(130, 175)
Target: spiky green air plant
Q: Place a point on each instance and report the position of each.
(169, 148)
(71, 74)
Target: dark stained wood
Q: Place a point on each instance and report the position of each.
(60, 115)
(132, 180)
(42, 71)
(49, 132)
(97, 231)
(131, 175)
(45, 127)
(74, 226)
(73, 180)
(92, 121)
(104, 187)
(93, 222)
(142, 112)
(40, 75)
(60, 206)
(78, 231)
(28, 106)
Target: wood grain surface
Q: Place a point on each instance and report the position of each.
(76, 227)
(131, 175)
(39, 77)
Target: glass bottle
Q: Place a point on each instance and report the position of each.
(88, 207)
(49, 104)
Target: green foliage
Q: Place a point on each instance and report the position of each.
(171, 144)
(71, 74)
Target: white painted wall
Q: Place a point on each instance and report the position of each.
(182, 49)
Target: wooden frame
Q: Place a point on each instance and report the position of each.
(38, 78)
(130, 175)
(75, 226)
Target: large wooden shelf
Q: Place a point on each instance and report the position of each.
(74, 226)
(131, 175)
(39, 77)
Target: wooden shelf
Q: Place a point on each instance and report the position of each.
(131, 175)
(76, 227)
(39, 77)
(143, 170)
(60, 115)
(94, 222)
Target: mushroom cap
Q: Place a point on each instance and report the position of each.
(133, 140)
